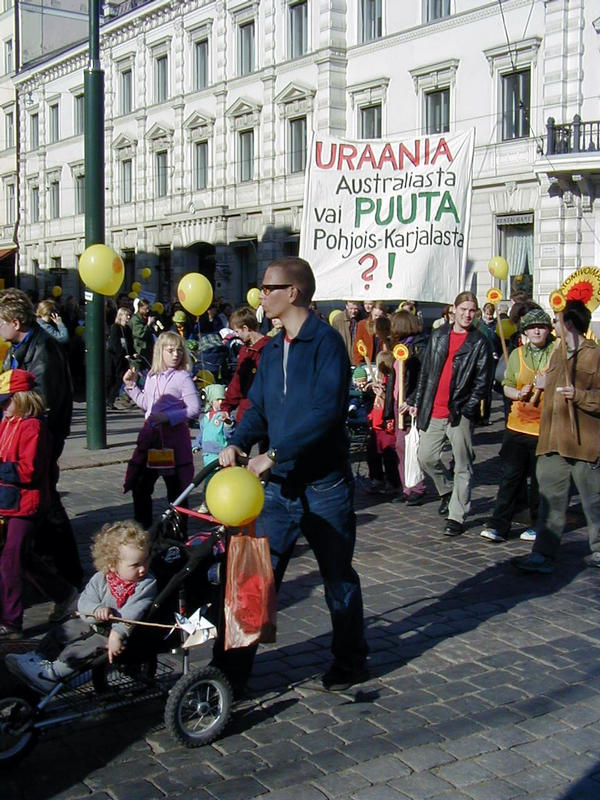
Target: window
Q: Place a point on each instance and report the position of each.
(437, 111)
(35, 203)
(54, 189)
(126, 86)
(370, 122)
(161, 78)
(10, 204)
(298, 144)
(127, 181)
(200, 165)
(162, 174)
(78, 114)
(9, 129)
(8, 56)
(53, 130)
(34, 131)
(370, 20)
(246, 48)
(201, 64)
(246, 152)
(436, 9)
(56, 262)
(298, 21)
(515, 104)
(80, 194)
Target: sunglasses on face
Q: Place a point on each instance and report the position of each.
(267, 288)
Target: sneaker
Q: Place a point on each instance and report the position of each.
(339, 679)
(32, 669)
(453, 528)
(445, 502)
(593, 560)
(534, 562)
(64, 610)
(528, 535)
(10, 634)
(492, 534)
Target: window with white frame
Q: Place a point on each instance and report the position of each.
(126, 90)
(436, 9)
(370, 20)
(78, 114)
(11, 207)
(34, 131)
(437, 111)
(370, 122)
(8, 56)
(9, 129)
(516, 102)
(80, 194)
(161, 170)
(297, 152)
(200, 165)
(54, 198)
(200, 64)
(161, 78)
(246, 155)
(126, 181)
(53, 122)
(298, 28)
(34, 203)
(246, 45)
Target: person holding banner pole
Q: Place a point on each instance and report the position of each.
(455, 377)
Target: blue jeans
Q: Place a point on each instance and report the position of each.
(324, 513)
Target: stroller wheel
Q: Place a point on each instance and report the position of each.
(17, 734)
(198, 707)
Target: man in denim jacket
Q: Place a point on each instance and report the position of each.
(299, 400)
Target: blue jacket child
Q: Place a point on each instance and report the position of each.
(216, 426)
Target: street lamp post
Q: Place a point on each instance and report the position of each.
(94, 232)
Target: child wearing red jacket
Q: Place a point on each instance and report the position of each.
(24, 490)
(382, 443)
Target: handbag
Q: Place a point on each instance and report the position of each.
(250, 597)
(413, 474)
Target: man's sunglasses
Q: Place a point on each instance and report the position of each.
(267, 288)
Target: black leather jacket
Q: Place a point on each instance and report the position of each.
(46, 359)
(472, 373)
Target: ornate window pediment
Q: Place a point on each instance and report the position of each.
(124, 146)
(369, 93)
(295, 99)
(77, 168)
(434, 76)
(243, 114)
(160, 137)
(514, 56)
(199, 126)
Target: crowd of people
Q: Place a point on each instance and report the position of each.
(274, 387)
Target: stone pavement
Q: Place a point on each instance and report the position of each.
(485, 683)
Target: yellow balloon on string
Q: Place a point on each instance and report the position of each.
(146, 272)
(136, 286)
(101, 269)
(235, 496)
(253, 297)
(195, 293)
(56, 291)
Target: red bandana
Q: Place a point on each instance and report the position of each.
(121, 590)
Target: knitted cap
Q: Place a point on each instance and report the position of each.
(13, 381)
(535, 317)
(214, 391)
(360, 373)
(179, 316)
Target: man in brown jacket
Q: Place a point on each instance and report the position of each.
(346, 322)
(562, 454)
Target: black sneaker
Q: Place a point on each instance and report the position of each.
(453, 528)
(445, 502)
(338, 679)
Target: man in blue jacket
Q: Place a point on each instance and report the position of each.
(299, 400)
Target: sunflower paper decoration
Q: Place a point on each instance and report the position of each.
(400, 352)
(493, 295)
(557, 301)
(584, 285)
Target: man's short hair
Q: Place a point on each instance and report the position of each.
(465, 297)
(299, 272)
(143, 303)
(15, 304)
(578, 314)
(244, 315)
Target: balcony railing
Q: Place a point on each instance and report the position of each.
(573, 137)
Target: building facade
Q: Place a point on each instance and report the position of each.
(211, 105)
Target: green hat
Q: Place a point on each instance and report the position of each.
(535, 317)
(214, 391)
(179, 316)
(360, 373)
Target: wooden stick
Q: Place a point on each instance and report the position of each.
(502, 342)
(565, 360)
(139, 622)
(401, 370)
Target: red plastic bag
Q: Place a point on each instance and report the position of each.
(250, 599)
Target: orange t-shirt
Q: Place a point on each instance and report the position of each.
(442, 395)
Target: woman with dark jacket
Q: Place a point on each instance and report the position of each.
(120, 345)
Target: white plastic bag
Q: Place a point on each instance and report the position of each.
(413, 474)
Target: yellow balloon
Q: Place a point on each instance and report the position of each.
(132, 295)
(203, 377)
(333, 314)
(56, 291)
(507, 328)
(195, 293)
(146, 272)
(253, 297)
(498, 267)
(158, 307)
(79, 330)
(234, 496)
(136, 286)
(101, 269)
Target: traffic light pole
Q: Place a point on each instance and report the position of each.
(95, 392)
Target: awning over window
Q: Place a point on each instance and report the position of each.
(5, 253)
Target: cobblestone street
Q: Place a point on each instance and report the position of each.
(485, 683)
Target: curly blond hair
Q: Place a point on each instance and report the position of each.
(107, 543)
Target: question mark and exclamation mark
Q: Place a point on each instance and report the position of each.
(367, 274)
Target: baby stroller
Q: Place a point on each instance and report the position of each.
(190, 572)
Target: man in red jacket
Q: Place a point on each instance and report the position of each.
(244, 323)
